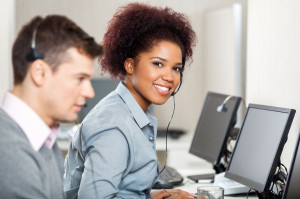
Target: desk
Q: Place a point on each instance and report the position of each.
(180, 158)
(186, 163)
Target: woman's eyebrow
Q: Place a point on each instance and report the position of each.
(159, 58)
(178, 63)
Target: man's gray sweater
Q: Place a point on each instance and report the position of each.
(25, 173)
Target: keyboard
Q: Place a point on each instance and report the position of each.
(171, 175)
(231, 187)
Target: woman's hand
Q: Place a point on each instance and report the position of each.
(171, 194)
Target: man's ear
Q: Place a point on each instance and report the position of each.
(39, 71)
(129, 66)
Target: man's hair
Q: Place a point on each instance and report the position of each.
(55, 34)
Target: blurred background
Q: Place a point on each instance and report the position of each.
(247, 48)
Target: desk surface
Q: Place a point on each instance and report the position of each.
(186, 163)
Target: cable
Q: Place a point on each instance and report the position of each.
(167, 135)
(92, 166)
(167, 144)
(248, 193)
(286, 171)
(244, 103)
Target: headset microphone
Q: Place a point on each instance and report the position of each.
(34, 55)
(222, 107)
(181, 73)
(178, 85)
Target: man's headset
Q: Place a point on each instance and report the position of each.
(33, 54)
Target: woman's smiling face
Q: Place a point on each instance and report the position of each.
(155, 74)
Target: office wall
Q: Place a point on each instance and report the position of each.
(223, 57)
(93, 16)
(200, 77)
(273, 59)
(7, 32)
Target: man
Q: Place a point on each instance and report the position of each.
(52, 64)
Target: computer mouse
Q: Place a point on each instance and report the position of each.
(162, 184)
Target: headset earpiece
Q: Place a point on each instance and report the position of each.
(34, 55)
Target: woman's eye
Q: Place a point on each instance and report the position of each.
(157, 64)
(177, 69)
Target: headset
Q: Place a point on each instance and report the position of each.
(181, 75)
(176, 91)
(33, 54)
(173, 95)
(222, 107)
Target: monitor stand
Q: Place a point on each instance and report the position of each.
(208, 177)
(219, 168)
(231, 187)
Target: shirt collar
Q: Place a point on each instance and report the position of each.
(35, 129)
(137, 112)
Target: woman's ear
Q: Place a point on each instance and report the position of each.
(129, 66)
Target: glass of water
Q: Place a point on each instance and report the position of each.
(210, 192)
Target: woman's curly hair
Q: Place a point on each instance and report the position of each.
(136, 27)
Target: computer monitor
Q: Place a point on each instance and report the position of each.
(216, 121)
(259, 145)
(292, 185)
(102, 87)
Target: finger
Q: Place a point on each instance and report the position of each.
(181, 192)
(158, 194)
(179, 196)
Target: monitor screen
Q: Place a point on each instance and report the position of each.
(292, 186)
(214, 126)
(259, 146)
(102, 87)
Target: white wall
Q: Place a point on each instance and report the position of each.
(273, 66)
(223, 54)
(93, 17)
(198, 77)
(7, 32)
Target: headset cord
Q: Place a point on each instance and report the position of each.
(244, 103)
(167, 143)
(167, 135)
(92, 166)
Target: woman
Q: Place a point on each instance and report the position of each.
(113, 154)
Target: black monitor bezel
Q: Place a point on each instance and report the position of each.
(216, 162)
(286, 189)
(250, 183)
(107, 85)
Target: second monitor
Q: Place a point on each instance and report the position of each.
(218, 117)
(256, 156)
(291, 190)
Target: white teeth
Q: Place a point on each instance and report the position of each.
(162, 88)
